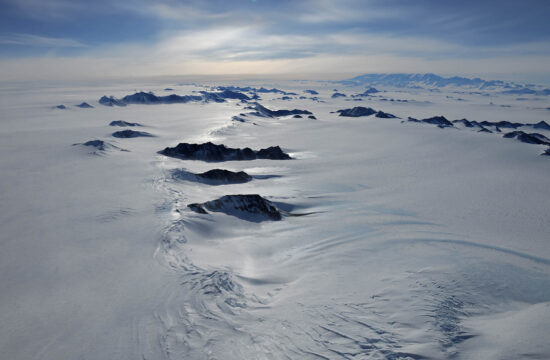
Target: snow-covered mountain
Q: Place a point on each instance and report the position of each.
(405, 80)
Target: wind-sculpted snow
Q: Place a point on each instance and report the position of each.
(247, 207)
(216, 153)
(419, 243)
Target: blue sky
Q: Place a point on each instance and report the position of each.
(138, 37)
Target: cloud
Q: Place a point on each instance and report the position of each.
(41, 41)
(156, 37)
(181, 12)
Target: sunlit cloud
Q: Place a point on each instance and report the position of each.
(148, 38)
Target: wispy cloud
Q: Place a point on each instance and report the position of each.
(181, 12)
(40, 41)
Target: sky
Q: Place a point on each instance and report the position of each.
(64, 39)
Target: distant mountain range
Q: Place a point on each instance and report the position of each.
(435, 81)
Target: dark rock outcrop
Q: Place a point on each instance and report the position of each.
(84, 105)
(198, 208)
(312, 117)
(62, 107)
(238, 118)
(272, 153)
(543, 125)
(497, 125)
(297, 116)
(131, 134)
(254, 90)
(357, 111)
(533, 138)
(226, 176)
(212, 177)
(111, 101)
(383, 115)
(228, 94)
(312, 92)
(142, 98)
(507, 124)
(99, 146)
(215, 153)
(148, 98)
(337, 95)
(122, 123)
(274, 90)
(263, 111)
(367, 92)
(467, 123)
(502, 124)
(440, 121)
(251, 207)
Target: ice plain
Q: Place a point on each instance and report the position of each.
(416, 241)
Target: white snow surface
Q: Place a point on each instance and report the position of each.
(416, 242)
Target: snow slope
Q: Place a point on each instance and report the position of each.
(411, 242)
